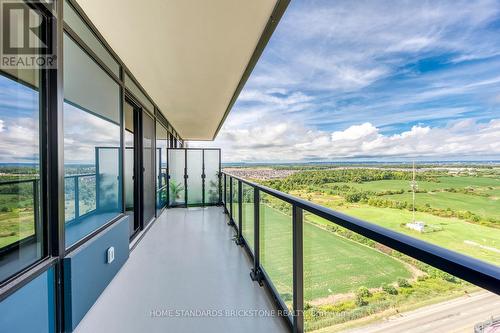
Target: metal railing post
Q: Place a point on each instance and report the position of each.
(36, 206)
(231, 222)
(225, 194)
(77, 197)
(256, 273)
(239, 240)
(298, 270)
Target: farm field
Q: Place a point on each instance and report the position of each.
(460, 211)
(16, 218)
(475, 240)
(443, 183)
(332, 264)
(15, 225)
(456, 235)
(482, 206)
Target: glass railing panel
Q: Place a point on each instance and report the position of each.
(247, 206)
(235, 201)
(227, 199)
(276, 245)
(212, 163)
(69, 199)
(86, 194)
(354, 283)
(194, 169)
(108, 176)
(176, 163)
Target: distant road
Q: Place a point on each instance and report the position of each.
(455, 316)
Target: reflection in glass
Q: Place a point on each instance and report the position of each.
(148, 127)
(129, 165)
(21, 223)
(350, 280)
(161, 166)
(91, 144)
(21, 239)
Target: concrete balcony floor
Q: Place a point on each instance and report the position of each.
(186, 262)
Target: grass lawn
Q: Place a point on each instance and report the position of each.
(18, 222)
(444, 182)
(15, 226)
(332, 264)
(454, 235)
(482, 206)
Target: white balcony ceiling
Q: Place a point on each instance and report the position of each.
(189, 55)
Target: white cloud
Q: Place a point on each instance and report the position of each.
(343, 79)
(290, 142)
(348, 45)
(19, 139)
(355, 132)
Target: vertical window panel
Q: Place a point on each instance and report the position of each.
(91, 144)
(161, 166)
(76, 23)
(21, 227)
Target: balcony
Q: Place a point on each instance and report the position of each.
(187, 261)
(109, 223)
(235, 254)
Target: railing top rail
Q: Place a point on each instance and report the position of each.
(19, 181)
(478, 272)
(80, 175)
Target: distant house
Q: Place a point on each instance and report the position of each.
(417, 226)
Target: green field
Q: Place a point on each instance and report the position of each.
(461, 182)
(332, 264)
(16, 218)
(15, 226)
(460, 212)
(482, 206)
(456, 234)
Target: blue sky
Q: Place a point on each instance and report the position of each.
(18, 122)
(373, 80)
(340, 80)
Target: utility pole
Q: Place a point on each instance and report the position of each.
(414, 187)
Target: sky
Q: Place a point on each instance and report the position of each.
(372, 80)
(18, 123)
(339, 80)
